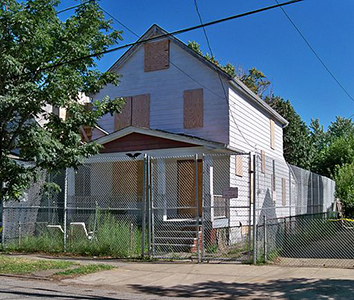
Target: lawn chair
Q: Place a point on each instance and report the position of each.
(78, 230)
(55, 230)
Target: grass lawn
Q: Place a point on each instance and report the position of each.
(22, 266)
(14, 265)
(83, 270)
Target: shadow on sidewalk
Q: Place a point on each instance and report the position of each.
(298, 288)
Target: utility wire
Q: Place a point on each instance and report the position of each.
(177, 67)
(74, 6)
(314, 52)
(163, 35)
(220, 79)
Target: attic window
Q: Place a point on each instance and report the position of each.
(157, 56)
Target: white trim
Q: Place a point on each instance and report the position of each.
(161, 134)
(165, 153)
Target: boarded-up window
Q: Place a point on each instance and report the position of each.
(141, 111)
(136, 112)
(283, 189)
(273, 183)
(193, 108)
(124, 119)
(157, 56)
(263, 161)
(239, 165)
(272, 137)
(127, 185)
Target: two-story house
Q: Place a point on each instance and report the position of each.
(178, 104)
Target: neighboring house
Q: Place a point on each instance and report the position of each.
(180, 104)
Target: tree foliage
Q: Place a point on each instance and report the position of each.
(344, 177)
(228, 68)
(32, 39)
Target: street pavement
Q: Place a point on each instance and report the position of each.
(167, 280)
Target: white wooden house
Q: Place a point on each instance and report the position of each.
(180, 104)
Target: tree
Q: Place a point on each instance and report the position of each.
(32, 39)
(333, 148)
(255, 80)
(344, 178)
(297, 144)
(228, 68)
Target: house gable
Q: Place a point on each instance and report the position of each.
(139, 142)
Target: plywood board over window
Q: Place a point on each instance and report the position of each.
(141, 111)
(239, 165)
(124, 119)
(157, 56)
(272, 137)
(193, 108)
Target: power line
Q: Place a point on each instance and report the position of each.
(314, 52)
(222, 84)
(180, 31)
(177, 67)
(74, 6)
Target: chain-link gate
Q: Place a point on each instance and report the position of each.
(226, 218)
(176, 195)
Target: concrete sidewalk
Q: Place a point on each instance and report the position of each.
(224, 281)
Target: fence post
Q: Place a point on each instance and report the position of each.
(3, 224)
(65, 207)
(254, 210)
(265, 238)
(251, 174)
(143, 214)
(149, 204)
(203, 204)
(197, 203)
(19, 233)
(151, 207)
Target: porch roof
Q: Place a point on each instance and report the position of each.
(157, 139)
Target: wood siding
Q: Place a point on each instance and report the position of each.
(140, 142)
(254, 125)
(166, 87)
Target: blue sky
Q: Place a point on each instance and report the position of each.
(266, 41)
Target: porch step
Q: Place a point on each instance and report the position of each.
(176, 236)
(175, 233)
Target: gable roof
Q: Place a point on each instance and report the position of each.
(178, 137)
(235, 82)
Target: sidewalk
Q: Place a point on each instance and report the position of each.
(224, 281)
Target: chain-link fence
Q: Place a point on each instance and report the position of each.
(307, 240)
(199, 207)
(226, 218)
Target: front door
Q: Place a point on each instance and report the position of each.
(186, 184)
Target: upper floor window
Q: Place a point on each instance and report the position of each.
(157, 56)
(193, 108)
(136, 112)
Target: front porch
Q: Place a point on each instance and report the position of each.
(172, 196)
